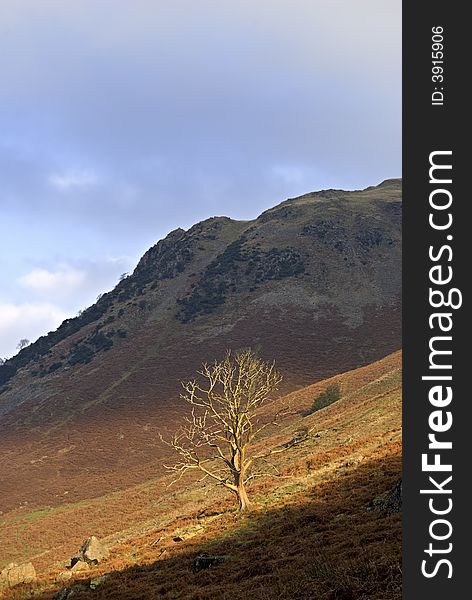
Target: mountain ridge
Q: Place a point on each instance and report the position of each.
(173, 236)
(314, 283)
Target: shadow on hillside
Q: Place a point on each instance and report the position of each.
(319, 544)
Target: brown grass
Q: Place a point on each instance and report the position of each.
(309, 536)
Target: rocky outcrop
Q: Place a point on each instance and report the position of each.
(13, 574)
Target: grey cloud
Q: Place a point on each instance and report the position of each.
(182, 110)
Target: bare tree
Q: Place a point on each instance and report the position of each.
(216, 437)
(22, 344)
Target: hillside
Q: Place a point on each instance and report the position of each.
(314, 531)
(314, 283)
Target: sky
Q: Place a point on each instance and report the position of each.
(120, 121)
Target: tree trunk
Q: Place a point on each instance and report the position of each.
(239, 467)
(243, 499)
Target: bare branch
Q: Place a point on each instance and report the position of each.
(223, 421)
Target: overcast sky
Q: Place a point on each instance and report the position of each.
(121, 120)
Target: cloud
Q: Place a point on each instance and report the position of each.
(256, 84)
(142, 133)
(76, 284)
(46, 295)
(73, 180)
(29, 321)
(63, 281)
(289, 174)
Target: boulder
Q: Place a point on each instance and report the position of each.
(205, 562)
(94, 551)
(79, 566)
(91, 552)
(14, 574)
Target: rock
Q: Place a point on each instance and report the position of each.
(14, 574)
(80, 566)
(97, 581)
(92, 552)
(205, 562)
(64, 576)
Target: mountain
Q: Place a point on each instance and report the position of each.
(314, 283)
(319, 527)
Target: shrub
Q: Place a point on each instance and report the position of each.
(42, 346)
(82, 353)
(238, 267)
(331, 394)
(100, 341)
(6, 372)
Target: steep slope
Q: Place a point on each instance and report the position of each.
(313, 283)
(311, 534)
